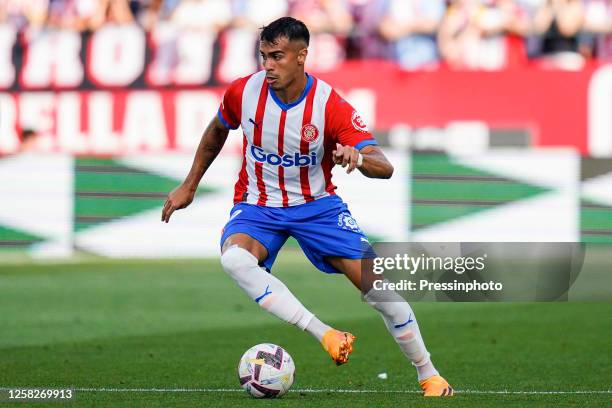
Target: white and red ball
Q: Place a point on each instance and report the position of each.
(266, 371)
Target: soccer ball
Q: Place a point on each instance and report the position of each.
(266, 371)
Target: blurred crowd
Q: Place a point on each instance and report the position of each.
(417, 34)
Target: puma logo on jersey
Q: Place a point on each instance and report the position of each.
(286, 160)
(256, 124)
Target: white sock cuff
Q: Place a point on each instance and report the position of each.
(424, 360)
(304, 319)
(317, 328)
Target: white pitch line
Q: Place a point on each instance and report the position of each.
(315, 391)
(343, 391)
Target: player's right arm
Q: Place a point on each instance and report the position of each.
(210, 145)
(213, 139)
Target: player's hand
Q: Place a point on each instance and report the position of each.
(346, 156)
(178, 198)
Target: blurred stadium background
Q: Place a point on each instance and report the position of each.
(497, 115)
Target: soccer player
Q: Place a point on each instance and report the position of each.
(296, 128)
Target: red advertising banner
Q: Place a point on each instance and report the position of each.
(121, 90)
(552, 104)
(558, 108)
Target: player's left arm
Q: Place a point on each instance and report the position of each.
(370, 160)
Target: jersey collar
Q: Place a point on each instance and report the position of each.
(287, 106)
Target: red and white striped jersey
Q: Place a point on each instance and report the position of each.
(288, 147)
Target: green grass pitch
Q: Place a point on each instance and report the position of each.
(173, 325)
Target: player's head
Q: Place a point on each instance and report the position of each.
(283, 47)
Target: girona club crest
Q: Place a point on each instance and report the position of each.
(358, 123)
(310, 133)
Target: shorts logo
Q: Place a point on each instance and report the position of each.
(310, 133)
(358, 123)
(347, 222)
(235, 214)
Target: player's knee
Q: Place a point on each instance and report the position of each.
(394, 309)
(385, 302)
(378, 306)
(236, 259)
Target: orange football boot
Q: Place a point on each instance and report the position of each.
(436, 386)
(338, 344)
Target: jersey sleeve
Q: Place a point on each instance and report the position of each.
(230, 110)
(345, 125)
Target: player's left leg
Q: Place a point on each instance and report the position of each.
(401, 323)
(332, 240)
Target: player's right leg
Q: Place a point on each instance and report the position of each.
(247, 244)
(241, 257)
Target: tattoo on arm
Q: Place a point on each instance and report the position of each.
(210, 145)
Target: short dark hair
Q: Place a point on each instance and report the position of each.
(288, 27)
(27, 134)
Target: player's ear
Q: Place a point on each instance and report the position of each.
(302, 56)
